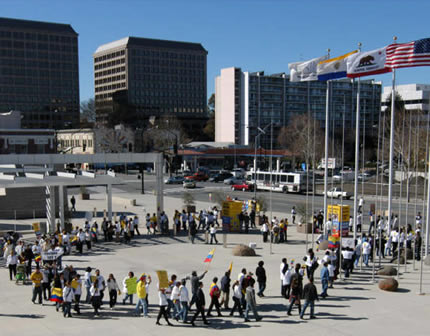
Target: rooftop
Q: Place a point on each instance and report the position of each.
(147, 42)
(36, 25)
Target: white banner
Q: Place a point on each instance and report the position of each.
(52, 255)
(305, 71)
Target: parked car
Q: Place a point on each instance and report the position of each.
(189, 184)
(174, 180)
(220, 177)
(199, 176)
(233, 180)
(243, 186)
(336, 192)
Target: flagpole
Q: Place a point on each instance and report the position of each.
(327, 101)
(390, 159)
(357, 154)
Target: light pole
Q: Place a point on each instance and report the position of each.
(260, 132)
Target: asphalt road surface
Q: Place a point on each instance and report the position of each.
(280, 202)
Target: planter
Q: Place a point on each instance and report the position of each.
(304, 228)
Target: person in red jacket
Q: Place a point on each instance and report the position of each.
(214, 293)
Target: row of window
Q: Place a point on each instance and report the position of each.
(40, 46)
(136, 71)
(109, 56)
(38, 37)
(13, 62)
(110, 87)
(16, 54)
(109, 72)
(152, 93)
(41, 78)
(76, 143)
(34, 89)
(109, 64)
(26, 98)
(166, 63)
(166, 54)
(109, 79)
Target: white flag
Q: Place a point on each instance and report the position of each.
(367, 63)
(305, 71)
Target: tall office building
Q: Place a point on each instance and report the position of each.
(414, 96)
(39, 72)
(151, 78)
(248, 100)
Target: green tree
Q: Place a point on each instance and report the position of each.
(209, 129)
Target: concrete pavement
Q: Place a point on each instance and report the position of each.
(354, 307)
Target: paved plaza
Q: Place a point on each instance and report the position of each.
(354, 307)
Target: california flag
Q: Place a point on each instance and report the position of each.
(367, 63)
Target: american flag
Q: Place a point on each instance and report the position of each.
(412, 54)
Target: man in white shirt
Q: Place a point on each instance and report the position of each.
(328, 228)
(101, 285)
(283, 267)
(286, 282)
(184, 299)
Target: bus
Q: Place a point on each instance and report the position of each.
(281, 182)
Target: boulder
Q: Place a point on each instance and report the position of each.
(389, 284)
(387, 270)
(243, 251)
(323, 245)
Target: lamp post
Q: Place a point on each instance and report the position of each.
(260, 132)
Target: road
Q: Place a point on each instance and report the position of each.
(280, 202)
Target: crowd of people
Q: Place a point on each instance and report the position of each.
(69, 291)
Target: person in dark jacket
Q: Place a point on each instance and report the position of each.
(310, 294)
(195, 280)
(200, 304)
(225, 289)
(260, 272)
(296, 289)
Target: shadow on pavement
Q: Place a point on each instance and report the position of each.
(31, 316)
(330, 316)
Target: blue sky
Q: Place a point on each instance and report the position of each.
(251, 34)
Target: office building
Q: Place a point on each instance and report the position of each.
(247, 100)
(39, 72)
(415, 97)
(141, 78)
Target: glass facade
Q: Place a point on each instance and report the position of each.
(39, 73)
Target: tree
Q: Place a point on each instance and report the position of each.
(209, 129)
(303, 137)
(88, 111)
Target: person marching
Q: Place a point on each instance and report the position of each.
(163, 306)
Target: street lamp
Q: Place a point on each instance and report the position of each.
(260, 132)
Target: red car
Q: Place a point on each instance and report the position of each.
(243, 187)
(199, 176)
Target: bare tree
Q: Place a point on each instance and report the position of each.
(114, 140)
(303, 137)
(88, 111)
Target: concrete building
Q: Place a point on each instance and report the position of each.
(415, 96)
(39, 72)
(96, 140)
(142, 78)
(17, 140)
(247, 100)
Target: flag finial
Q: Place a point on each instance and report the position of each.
(395, 39)
(359, 46)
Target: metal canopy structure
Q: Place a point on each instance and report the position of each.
(62, 179)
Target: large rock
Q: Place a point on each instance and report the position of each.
(323, 245)
(389, 284)
(387, 270)
(243, 251)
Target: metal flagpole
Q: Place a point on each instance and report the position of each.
(357, 153)
(407, 188)
(382, 186)
(417, 142)
(377, 229)
(307, 171)
(271, 174)
(390, 159)
(341, 181)
(400, 165)
(326, 150)
(426, 249)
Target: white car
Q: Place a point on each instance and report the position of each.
(233, 180)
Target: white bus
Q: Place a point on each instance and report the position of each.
(281, 182)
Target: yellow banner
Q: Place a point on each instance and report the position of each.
(163, 279)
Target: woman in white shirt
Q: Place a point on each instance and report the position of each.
(68, 297)
(11, 262)
(113, 290)
(163, 305)
(95, 297)
(237, 297)
(212, 231)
